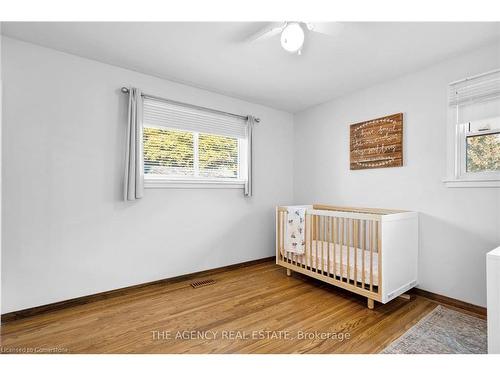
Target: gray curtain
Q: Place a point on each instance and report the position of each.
(249, 182)
(134, 164)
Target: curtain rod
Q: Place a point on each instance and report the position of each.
(125, 90)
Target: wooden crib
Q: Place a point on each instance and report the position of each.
(371, 252)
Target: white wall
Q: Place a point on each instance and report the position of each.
(458, 226)
(67, 232)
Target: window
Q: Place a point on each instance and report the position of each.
(482, 150)
(218, 156)
(479, 149)
(184, 145)
(475, 125)
(168, 152)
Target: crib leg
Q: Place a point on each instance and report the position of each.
(371, 303)
(288, 272)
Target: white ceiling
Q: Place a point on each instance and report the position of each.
(214, 55)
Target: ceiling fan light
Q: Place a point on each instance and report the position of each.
(292, 37)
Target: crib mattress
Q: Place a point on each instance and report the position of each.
(355, 263)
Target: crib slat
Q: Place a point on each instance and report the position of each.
(322, 242)
(280, 236)
(280, 228)
(318, 260)
(372, 236)
(285, 220)
(297, 256)
(304, 255)
(308, 243)
(332, 240)
(313, 235)
(342, 238)
(363, 255)
(294, 259)
(316, 243)
(285, 253)
(329, 241)
(339, 247)
(311, 228)
(325, 242)
(313, 238)
(290, 254)
(356, 237)
(319, 243)
(348, 244)
(303, 262)
(335, 240)
(308, 240)
(320, 252)
(283, 234)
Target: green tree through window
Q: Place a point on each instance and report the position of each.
(483, 153)
(171, 153)
(218, 156)
(168, 152)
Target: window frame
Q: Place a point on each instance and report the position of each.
(195, 182)
(467, 103)
(462, 177)
(464, 174)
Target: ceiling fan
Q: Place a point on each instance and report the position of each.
(293, 33)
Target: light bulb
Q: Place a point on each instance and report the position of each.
(292, 37)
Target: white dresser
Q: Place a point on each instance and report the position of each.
(493, 295)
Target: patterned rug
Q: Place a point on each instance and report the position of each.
(443, 331)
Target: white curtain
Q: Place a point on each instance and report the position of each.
(249, 182)
(134, 164)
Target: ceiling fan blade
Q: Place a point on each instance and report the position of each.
(268, 31)
(327, 28)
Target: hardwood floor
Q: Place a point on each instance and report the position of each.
(255, 300)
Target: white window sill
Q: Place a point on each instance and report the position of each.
(478, 183)
(163, 183)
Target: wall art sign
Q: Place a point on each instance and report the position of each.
(377, 143)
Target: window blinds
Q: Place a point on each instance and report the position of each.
(163, 114)
(478, 89)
